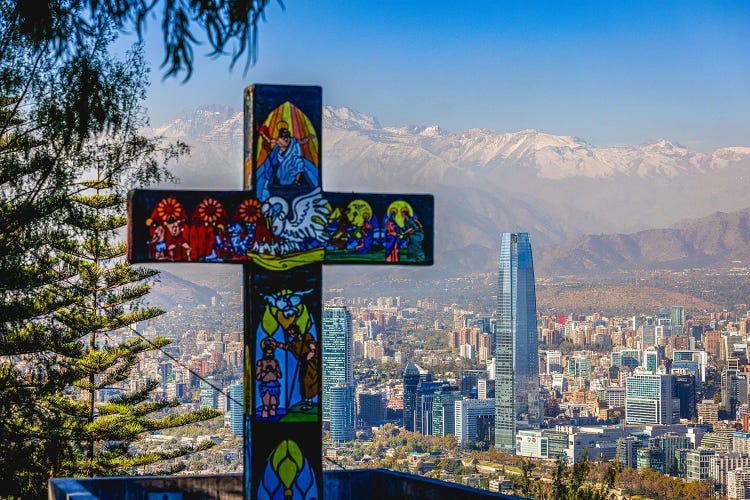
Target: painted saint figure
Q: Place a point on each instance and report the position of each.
(340, 237)
(304, 349)
(159, 242)
(368, 233)
(392, 235)
(175, 238)
(414, 233)
(285, 164)
(268, 373)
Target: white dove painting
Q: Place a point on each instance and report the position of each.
(295, 229)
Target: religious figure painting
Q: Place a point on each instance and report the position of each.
(229, 226)
(282, 145)
(287, 371)
(379, 229)
(287, 151)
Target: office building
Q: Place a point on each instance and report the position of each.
(734, 390)
(474, 420)
(627, 357)
(371, 408)
(337, 345)
(517, 403)
(485, 389)
(651, 359)
(580, 366)
(236, 410)
(648, 333)
(677, 315)
(650, 399)
(424, 406)
(685, 392)
(444, 410)
(554, 362)
(661, 453)
(697, 463)
(629, 447)
(469, 380)
(413, 375)
(209, 396)
(693, 361)
(342, 413)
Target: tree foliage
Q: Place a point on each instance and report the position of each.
(67, 26)
(69, 146)
(107, 292)
(651, 484)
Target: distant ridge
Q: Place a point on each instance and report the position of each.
(719, 239)
(170, 290)
(617, 299)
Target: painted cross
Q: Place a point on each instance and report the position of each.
(282, 227)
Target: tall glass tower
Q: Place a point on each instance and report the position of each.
(517, 404)
(342, 410)
(337, 347)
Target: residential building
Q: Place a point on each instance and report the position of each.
(708, 411)
(721, 464)
(738, 483)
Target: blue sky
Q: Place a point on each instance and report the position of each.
(608, 72)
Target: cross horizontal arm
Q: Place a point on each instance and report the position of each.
(281, 232)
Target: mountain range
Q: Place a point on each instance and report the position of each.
(587, 208)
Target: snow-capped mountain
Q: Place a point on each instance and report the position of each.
(486, 182)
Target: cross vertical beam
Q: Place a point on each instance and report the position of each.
(282, 163)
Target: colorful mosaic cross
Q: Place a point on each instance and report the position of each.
(282, 228)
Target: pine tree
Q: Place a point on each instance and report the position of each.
(63, 284)
(107, 292)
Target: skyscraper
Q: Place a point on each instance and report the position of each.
(677, 315)
(338, 352)
(236, 411)
(517, 403)
(413, 375)
(444, 411)
(343, 413)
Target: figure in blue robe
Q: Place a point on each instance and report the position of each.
(285, 165)
(414, 234)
